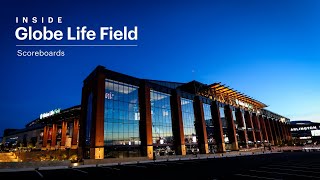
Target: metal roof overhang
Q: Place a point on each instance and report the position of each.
(219, 89)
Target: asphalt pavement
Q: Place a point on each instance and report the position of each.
(286, 165)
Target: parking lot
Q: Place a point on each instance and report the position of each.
(289, 165)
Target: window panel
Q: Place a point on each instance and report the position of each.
(160, 107)
(121, 110)
(188, 121)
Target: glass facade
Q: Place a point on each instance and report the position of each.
(244, 122)
(223, 117)
(209, 127)
(234, 118)
(224, 125)
(172, 85)
(121, 120)
(249, 121)
(59, 133)
(162, 136)
(70, 129)
(236, 125)
(189, 125)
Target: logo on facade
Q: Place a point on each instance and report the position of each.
(303, 128)
(109, 95)
(50, 113)
(244, 104)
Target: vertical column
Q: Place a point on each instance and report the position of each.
(281, 139)
(91, 136)
(97, 126)
(200, 125)
(257, 127)
(269, 130)
(145, 121)
(285, 131)
(263, 128)
(177, 123)
(242, 131)
(289, 130)
(74, 141)
(249, 124)
(45, 137)
(274, 131)
(231, 128)
(276, 124)
(63, 134)
(217, 124)
(83, 146)
(54, 136)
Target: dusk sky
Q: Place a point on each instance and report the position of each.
(267, 49)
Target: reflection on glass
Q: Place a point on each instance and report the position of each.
(121, 117)
(224, 125)
(188, 121)
(162, 137)
(244, 122)
(70, 129)
(161, 118)
(209, 123)
(235, 118)
(222, 117)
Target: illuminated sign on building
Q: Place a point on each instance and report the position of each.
(244, 104)
(50, 113)
(303, 128)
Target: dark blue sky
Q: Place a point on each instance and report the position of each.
(266, 49)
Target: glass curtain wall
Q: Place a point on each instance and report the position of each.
(225, 128)
(189, 129)
(121, 121)
(235, 122)
(244, 121)
(209, 127)
(162, 136)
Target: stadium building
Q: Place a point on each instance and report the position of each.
(305, 132)
(56, 129)
(123, 116)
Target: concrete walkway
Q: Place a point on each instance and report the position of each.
(136, 160)
(8, 157)
(10, 166)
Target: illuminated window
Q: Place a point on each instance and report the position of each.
(209, 123)
(121, 114)
(161, 118)
(188, 121)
